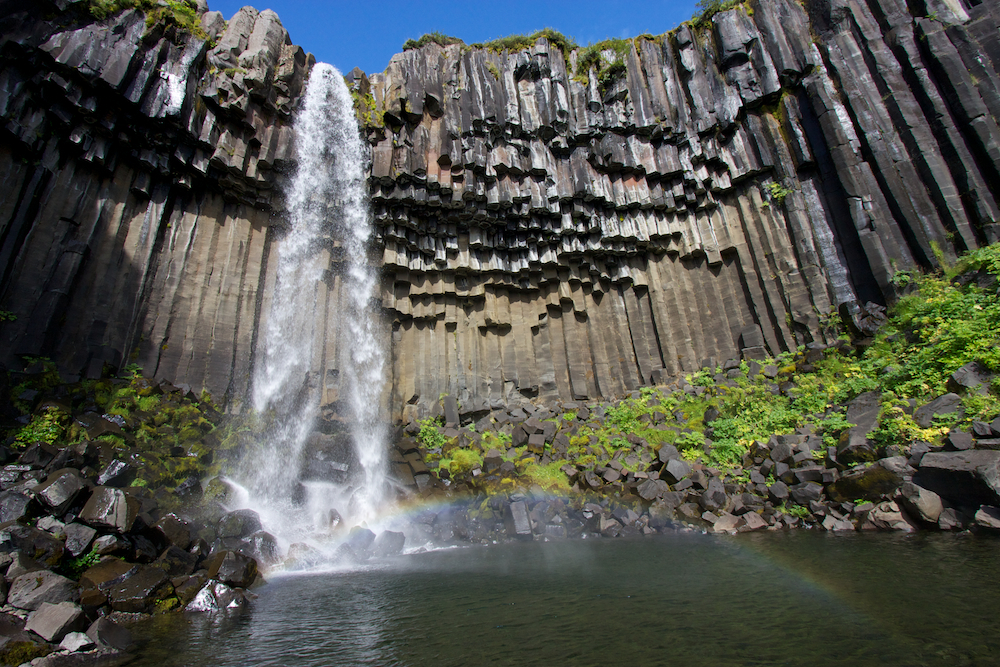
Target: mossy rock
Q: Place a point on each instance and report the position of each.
(17, 653)
(217, 490)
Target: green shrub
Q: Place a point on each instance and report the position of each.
(435, 37)
(710, 8)
(520, 42)
(592, 57)
(47, 426)
(429, 436)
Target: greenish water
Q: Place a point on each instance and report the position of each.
(762, 599)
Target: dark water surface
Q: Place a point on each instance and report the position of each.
(763, 599)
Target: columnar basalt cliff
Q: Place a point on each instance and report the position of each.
(139, 166)
(548, 236)
(543, 235)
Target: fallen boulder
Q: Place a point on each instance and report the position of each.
(966, 479)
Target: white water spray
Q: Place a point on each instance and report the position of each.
(327, 204)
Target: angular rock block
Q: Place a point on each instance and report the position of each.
(52, 622)
(965, 479)
(517, 521)
(388, 543)
(110, 509)
(238, 524)
(30, 591)
(232, 569)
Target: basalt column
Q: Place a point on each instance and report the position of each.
(549, 234)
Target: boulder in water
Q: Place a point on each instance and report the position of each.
(231, 568)
(239, 524)
(388, 543)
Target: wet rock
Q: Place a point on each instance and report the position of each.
(217, 597)
(52, 622)
(238, 524)
(78, 538)
(107, 573)
(38, 455)
(360, 540)
(263, 546)
(106, 632)
(232, 569)
(988, 517)
(920, 503)
(14, 506)
(388, 543)
(110, 509)
(117, 474)
(174, 530)
(59, 490)
(865, 483)
(29, 591)
(175, 561)
(186, 588)
(138, 592)
(517, 521)
(967, 479)
(111, 545)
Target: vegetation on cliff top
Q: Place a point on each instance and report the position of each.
(181, 15)
(438, 38)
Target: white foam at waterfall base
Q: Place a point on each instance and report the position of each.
(327, 203)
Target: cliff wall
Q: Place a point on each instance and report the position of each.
(544, 232)
(139, 166)
(567, 237)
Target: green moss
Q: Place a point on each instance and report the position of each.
(464, 461)
(181, 15)
(18, 653)
(438, 38)
(429, 435)
(366, 109)
(548, 476)
(710, 8)
(521, 42)
(608, 69)
(48, 426)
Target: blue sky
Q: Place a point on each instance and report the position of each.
(367, 33)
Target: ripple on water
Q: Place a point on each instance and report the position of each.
(773, 599)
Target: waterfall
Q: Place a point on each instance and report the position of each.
(327, 207)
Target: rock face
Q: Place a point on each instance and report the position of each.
(545, 233)
(549, 236)
(139, 170)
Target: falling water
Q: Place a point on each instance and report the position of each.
(327, 204)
